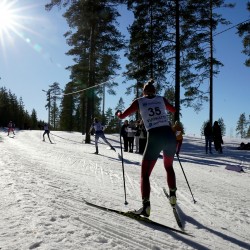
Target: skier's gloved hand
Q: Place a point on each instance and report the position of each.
(118, 112)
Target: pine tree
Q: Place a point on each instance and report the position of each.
(244, 31)
(68, 108)
(248, 132)
(54, 93)
(241, 126)
(34, 122)
(13, 110)
(222, 126)
(173, 36)
(109, 121)
(4, 107)
(21, 115)
(95, 42)
(170, 95)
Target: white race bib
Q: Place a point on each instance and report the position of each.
(153, 112)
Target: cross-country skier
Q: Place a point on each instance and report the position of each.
(98, 127)
(46, 131)
(11, 127)
(160, 136)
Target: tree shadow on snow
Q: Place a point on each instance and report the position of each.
(193, 151)
(193, 221)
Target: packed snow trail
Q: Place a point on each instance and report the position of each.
(42, 186)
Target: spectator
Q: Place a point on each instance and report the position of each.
(131, 136)
(208, 133)
(217, 136)
(124, 135)
(178, 130)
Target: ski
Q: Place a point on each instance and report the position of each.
(131, 215)
(176, 215)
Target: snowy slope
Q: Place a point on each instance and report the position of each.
(42, 186)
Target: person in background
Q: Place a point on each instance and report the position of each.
(217, 137)
(178, 130)
(124, 135)
(137, 135)
(208, 133)
(131, 136)
(11, 127)
(142, 138)
(160, 136)
(46, 131)
(99, 128)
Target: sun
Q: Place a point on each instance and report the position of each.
(8, 19)
(13, 20)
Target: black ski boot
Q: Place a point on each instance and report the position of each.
(96, 151)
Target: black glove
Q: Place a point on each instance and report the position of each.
(118, 111)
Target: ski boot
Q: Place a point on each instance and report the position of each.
(145, 209)
(172, 196)
(96, 151)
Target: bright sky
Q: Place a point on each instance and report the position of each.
(32, 57)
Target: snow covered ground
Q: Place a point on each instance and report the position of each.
(42, 186)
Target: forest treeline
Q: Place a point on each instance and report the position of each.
(13, 109)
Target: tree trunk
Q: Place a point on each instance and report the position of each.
(177, 62)
(91, 83)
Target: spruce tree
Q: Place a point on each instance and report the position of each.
(241, 126)
(244, 32)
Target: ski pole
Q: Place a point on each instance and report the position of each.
(126, 203)
(185, 178)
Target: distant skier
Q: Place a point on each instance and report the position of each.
(160, 136)
(46, 131)
(98, 127)
(11, 127)
(178, 130)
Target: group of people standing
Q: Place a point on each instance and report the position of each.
(213, 134)
(134, 133)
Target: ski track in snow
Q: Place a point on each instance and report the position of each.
(43, 186)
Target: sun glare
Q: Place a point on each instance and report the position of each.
(8, 20)
(12, 21)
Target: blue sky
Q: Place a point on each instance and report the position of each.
(32, 57)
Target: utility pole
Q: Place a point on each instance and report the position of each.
(211, 65)
(48, 104)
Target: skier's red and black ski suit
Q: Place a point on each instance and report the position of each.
(160, 137)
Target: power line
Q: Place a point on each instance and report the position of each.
(79, 91)
(231, 27)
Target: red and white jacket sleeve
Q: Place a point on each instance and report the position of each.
(130, 110)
